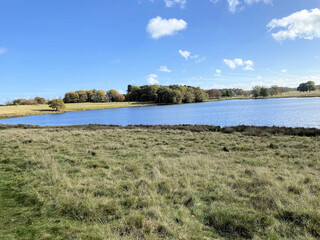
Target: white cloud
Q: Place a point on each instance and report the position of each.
(164, 69)
(238, 62)
(152, 79)
(197, 58)
(284, 70)
(116, 61)
(248, 65)
(3, 50)
(159, 27)
(235, 5)
(304, 25)
(171, 3)
(185, 54)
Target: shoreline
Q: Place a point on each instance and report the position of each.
(244, 129)
(35, 110)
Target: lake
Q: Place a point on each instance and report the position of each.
(289, 112)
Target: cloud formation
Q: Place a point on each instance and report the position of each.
(304, 25)
(238, 62)
(185, 54)
(171, 3)
(159, 27)
(164, 69)
(152, 79)
(235, 5)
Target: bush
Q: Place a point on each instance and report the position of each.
(57, 104)
(40, 100)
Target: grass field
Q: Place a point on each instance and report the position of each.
(292, 94)
(150, 183)
(30, 110)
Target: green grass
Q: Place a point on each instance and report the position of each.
(30, 110)
(140, 183)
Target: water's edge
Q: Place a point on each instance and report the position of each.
(248, 130)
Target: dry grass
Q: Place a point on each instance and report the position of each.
(69, 183)
(299, 94)
(30, 110)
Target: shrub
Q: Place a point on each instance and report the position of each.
(57, 104)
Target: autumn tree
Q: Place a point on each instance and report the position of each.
(40, 100)
(57, 104)
(71, 97)
(83, 96)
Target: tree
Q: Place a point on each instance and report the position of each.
(200, 95)
(57, 104)
(256, 91)
(214, 94)
(275, 90)
(112, 95)
(264, 92)
(71, 97)
(40, 100)
(83, 96)
(307, 87)
(31, 102)
(134, 93)
(189, 97)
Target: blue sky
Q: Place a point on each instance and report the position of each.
(50, 47)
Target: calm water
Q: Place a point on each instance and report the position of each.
(290, 112)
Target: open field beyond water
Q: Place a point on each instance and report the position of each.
(158, 183)
(30, 110)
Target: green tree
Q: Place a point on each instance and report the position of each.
(71, 97)
(83, 96)
(264, 92)
(57, 104)
(200, 95)
(256, 90)
(307, 87)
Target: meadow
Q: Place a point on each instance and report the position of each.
(178, 182)
(31, 110)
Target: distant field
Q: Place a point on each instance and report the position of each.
(30, 110)
(300, 94)
(149, 183)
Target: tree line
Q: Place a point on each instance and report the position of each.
(259, 91)
(172, 94)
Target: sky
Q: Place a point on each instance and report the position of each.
(48, 48)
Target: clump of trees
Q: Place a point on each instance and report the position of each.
(57, 104)
(174, 94)
(227, 93)
(258, 91)
(93, 95)
(22, 101)
(307, 87)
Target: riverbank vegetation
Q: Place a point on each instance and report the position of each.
(173, 94)
(170, 182)
(31, 110)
